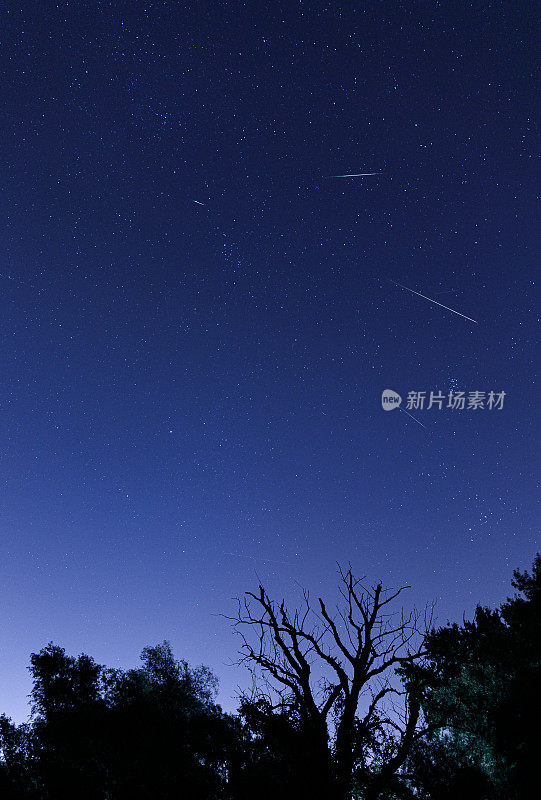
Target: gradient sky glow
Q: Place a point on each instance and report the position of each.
(190, 393)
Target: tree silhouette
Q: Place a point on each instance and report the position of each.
(103, 734)
(481, 694)
(167, 737)
(358, 704)
(331, 675)
(17, 778)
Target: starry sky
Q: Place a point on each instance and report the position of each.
(198, 321)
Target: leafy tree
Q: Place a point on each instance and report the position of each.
(101, 734)
(17, 779)
(166, 734)
(278, 753)
(359, 704)
(481, 697)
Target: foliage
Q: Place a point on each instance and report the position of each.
(98, 733)
(467, 723)
(482, 700)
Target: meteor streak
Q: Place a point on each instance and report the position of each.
(433, 301)
(355, 175)
(413, 418)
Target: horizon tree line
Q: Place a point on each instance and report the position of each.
(361, 702)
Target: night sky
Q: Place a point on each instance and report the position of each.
(198, 321)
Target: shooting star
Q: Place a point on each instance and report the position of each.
(433, 301)
(355, 175)
(198, 203)
(413, 418)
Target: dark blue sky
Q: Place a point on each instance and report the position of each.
(191, 393)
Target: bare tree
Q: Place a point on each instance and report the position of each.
(338, 670)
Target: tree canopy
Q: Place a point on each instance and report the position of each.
(481, 697)
(359, 703)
